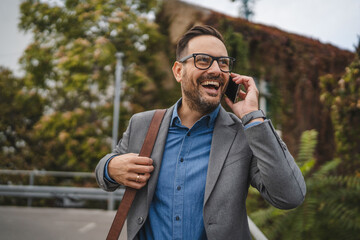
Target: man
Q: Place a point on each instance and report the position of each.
(195, 184)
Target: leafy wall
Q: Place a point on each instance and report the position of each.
(291, 64)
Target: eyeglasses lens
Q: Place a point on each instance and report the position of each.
(205, 61)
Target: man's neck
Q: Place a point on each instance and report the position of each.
(188, 116)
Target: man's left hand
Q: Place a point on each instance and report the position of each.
(249, 100)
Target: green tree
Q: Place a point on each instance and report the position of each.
(71, 64)
(20, 109)
(246, 8)
(342, 99)
(330, 209)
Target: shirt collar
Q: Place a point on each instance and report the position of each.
(211, 117)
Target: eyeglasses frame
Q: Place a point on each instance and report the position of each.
(184, 59)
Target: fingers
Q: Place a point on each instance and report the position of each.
(137, 181)
(130, 170)
(141, 168)
(135, 185)
(242, 94)
(139, 178)
(248, 83)
(140, 160)
(140, 164)
(249, 95)
(244, 80)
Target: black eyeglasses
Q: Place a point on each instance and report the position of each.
(204, 61)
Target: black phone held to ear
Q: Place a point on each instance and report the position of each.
(232, 90)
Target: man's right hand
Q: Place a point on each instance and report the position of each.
(131, 170)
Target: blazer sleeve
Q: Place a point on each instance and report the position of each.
(273, 169)
(121, 148)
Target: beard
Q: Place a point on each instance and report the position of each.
(193, 94)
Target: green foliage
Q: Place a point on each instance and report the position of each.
(73, 140)
(305, 158)
(330, 209)
(342, 98)
(237, 47)
(20, 109)
(59, 116)
(74, 48)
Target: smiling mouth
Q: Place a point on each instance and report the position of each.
(211, 84)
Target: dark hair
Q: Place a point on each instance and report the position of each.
(194, 32)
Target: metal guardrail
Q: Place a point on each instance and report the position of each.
(49, 192)
(75, 193)
(68, 194)
(47, 173)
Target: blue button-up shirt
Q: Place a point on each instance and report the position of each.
(176, 211)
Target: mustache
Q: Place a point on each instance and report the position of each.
(218, 78)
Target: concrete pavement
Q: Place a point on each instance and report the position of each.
(54, 223)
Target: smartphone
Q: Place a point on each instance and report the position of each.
(232, 90)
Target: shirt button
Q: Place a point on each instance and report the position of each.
(178, 188)
(177, 218)
(181, 160)
(140, 220)
(188, 134)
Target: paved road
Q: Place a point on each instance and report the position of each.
(54, 223)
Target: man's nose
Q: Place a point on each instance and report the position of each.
(214, 68)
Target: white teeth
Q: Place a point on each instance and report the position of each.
(216, 84)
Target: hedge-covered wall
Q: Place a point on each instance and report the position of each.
(289, 63)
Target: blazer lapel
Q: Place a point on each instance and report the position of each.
(222, 140)
(157, 154)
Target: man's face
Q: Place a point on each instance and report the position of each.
(202, 90)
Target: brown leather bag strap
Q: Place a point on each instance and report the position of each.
(130, 193)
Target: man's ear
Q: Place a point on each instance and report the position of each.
(177, 71)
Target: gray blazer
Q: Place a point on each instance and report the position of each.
(238, 158)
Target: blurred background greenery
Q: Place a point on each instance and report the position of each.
(58, 116)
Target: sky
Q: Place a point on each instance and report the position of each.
(331, 21)
(12, 42)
